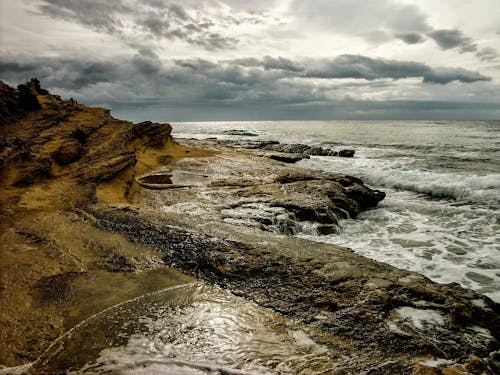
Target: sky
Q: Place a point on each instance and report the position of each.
(206, 60)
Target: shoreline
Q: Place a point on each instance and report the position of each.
(65, 198)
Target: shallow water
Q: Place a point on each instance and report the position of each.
(441, 216)
(190, 329)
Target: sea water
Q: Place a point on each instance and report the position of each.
(441, 215)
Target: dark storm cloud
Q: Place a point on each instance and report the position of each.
(447, 75)
(149, 20)
(454, 38)
(69, 74)
(255, 88)
(362, 67)
(238, 80)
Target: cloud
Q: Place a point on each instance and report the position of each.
(411, 38)
(362, 67)
(453, 38)
(488, 54)
(183, 81)
(447, 75)
(197, 23)
(270, 87)
(270, 63)
(363, 18)
(379, 21)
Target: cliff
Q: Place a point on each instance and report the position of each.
(53, 155)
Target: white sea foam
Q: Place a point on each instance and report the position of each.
(441, 216)
(401, 174)
(419, 318)
(445, 242)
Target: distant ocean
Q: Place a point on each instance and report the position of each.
(441, 216)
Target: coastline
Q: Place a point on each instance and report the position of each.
(65, 196)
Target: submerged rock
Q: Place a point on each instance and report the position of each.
(285, 157)
(346, 153)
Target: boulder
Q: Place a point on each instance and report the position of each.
(346, 153)
(152, 133)
(285, 157)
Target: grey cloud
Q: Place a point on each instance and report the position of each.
(453, 38)
(240, 88)
(362, 67)
(359, 17)
(379, 21)
(148, 20)
(488, 54)
(213, 41)
(270, 63)
(411, 38)
(447, 75)
(241, 81)
(100, 15)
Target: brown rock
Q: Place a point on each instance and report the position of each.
(69, 152)
(152, 133)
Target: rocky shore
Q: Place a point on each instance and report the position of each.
(92, 203)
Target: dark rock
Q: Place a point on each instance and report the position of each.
(365, 197)
(346, 153)
(105, 169)
(80, 135)
(296, 148)
(318, 151)
(288, 148)
(241, 132)
(68, 152)
(27, 97)
(286, 157)
(30, 170)
(152, 133)
(325, 230)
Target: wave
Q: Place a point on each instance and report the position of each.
(401, 175)
(241, 132)
(475, 189)
(438, 148)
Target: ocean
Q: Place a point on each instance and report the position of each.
(441, 215)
